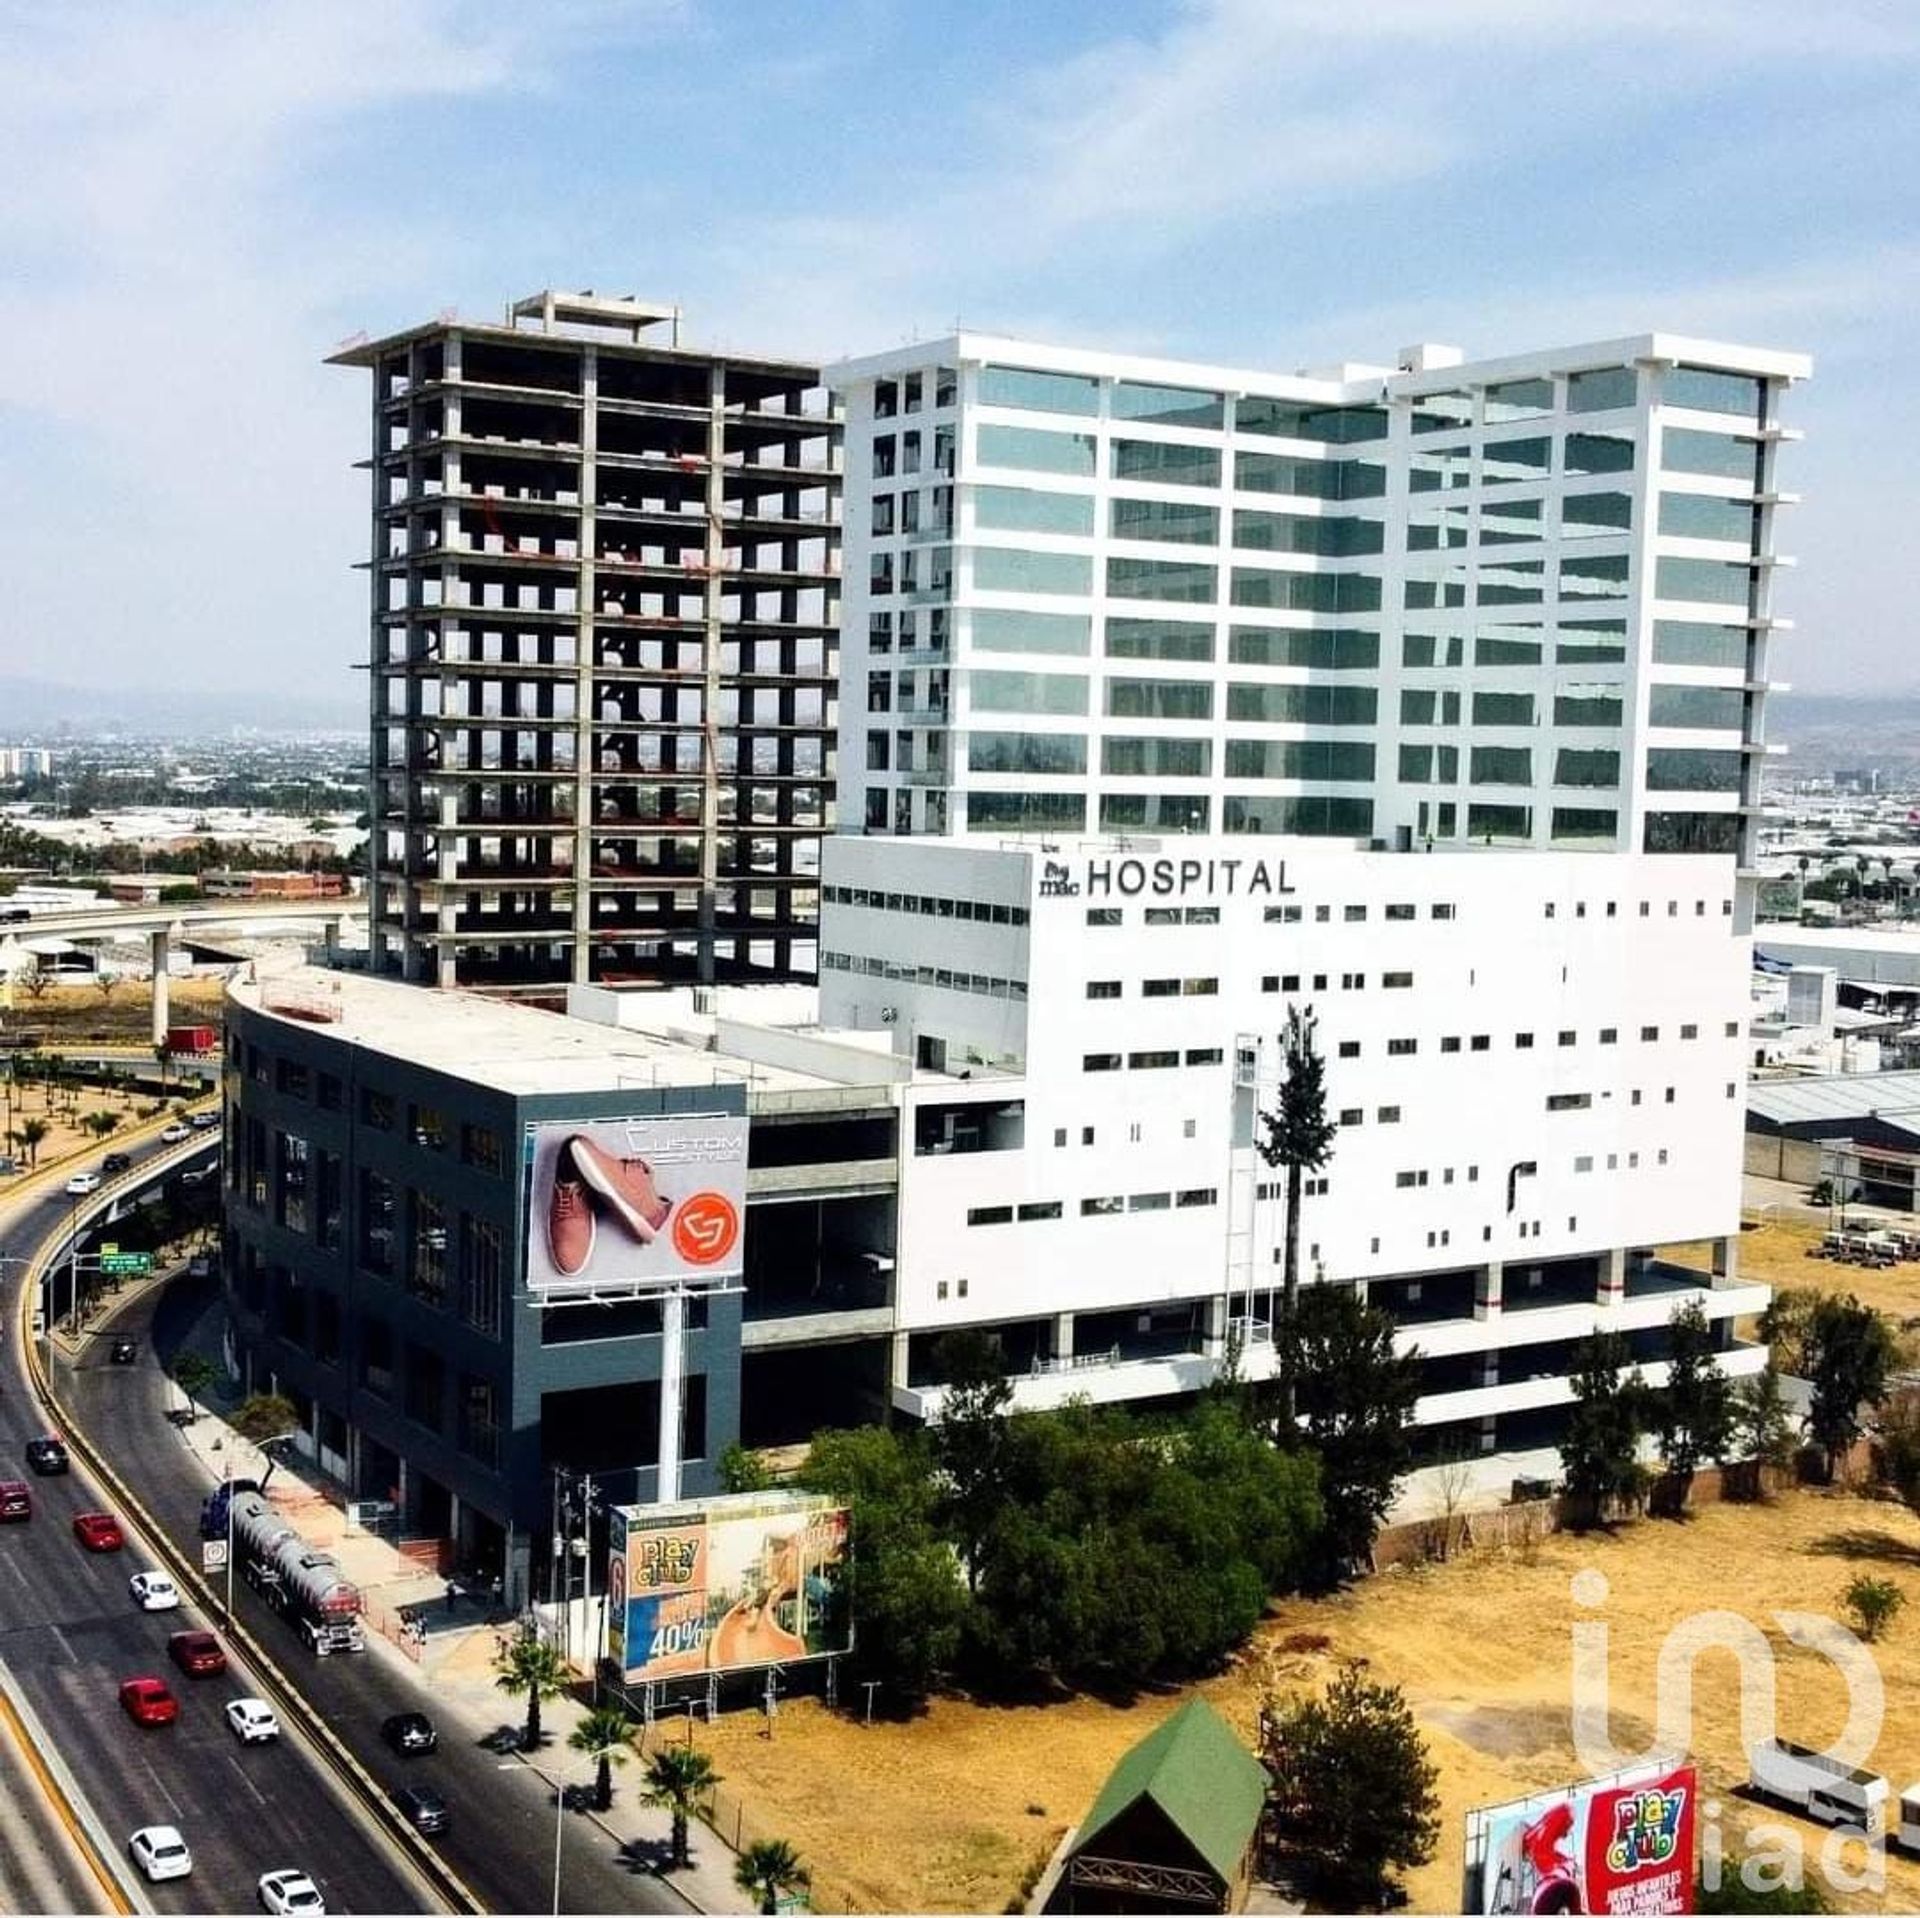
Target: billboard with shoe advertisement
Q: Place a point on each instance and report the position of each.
(724, 1584)
(624, 1202)
(1616, 1845)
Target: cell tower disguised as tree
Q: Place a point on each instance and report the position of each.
(1296, 1134)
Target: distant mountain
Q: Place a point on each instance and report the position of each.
(38, 704)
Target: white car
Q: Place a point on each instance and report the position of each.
(154, 1591)
(82, 1183)
(292, 1892)
(175, 1133)
(253, 1723)
(160, 1852)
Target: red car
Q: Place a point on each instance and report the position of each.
(148, 1702)
(16, 1502)
(98, 1531)
(198, 1654)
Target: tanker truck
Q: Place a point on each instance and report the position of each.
(300, 1583)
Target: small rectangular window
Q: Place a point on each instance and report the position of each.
(1523, 1041)
(1387, 1115)
(1102, 1208)
(1649, 1033)
(990, 1215)
(1150, 1202)
(1451, 1043)
(1103, 988)
(1480, 1042)
(1402, 1048)
(1349, 1048)
(1395, 981)
(1100, 1062)
(1569, 1101)
(1039, 1209)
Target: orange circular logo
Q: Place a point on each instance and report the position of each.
(706, 1228)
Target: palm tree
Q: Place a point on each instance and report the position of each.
(32, 1133)
(677, 1778)
(1299, 1136)
(1860, 865)
(768, 1867)
(602, 1735)
(530, 1666)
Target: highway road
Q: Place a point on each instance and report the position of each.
(69, 1633)
(502, 1833)
(41, 1867)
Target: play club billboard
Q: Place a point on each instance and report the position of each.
(1620, 1845)
(725, 1584)
(618, 1203)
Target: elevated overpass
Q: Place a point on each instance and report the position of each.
(163, 924)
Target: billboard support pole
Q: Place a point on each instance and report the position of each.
(673, 1371)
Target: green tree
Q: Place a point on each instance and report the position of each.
(1784, 1326)
(678, 1777)
(266, 1416)
(1873, 1602)
(193, 1372)
(102, 1125)
(768, 1869)
(1848, 1354)
(1353, 1795)
(1356, 1397)
(903, 1587)
(1755, 1888)
(1127, 1552)
(742, 1470)
(1692, 1414)
(528, 1667)
(1298, 1136)
(603, 1736)
(32, 1135)
(1599, 1454)
(1765, 1437)
(971, 1439)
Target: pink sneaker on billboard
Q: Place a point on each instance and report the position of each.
(626, 1185)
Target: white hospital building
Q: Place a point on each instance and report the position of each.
(1536, 1065)
(1519, 602)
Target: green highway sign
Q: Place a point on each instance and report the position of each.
(126, 1264)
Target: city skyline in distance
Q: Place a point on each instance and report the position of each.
(206, 208)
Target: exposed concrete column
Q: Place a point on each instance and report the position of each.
(1726, 1259)
(1612, 1289)
(1489, 1287)
(1489, 1434)
(585, 782)
(716, 554)
(1215, 1335)
(1063, 1335)
(162, 948)
(897, 1367)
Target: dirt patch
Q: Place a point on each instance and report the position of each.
(78, 1015)
(933, 1815)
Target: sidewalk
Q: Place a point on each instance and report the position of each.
(450, 1655)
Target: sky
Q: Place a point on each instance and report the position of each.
(205, 197)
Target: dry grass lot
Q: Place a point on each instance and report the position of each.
(77, 1015)
(949, 1812)
(1776, 1252)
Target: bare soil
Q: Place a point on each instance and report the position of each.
(79, 1015)
(955, 1810)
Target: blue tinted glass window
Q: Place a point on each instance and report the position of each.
(1167, 405)
(1025, 509)
(1033, 451)
(1039, 392)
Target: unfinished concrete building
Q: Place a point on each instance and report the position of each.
(605, 582)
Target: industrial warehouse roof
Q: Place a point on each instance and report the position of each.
(1205, 1782)
(1892, 1097)
(512, 1048)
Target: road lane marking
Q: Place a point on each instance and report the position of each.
(244, 1779)
(173, 1804)
(61, 1806)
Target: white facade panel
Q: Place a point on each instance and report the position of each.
(1534, 1061)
